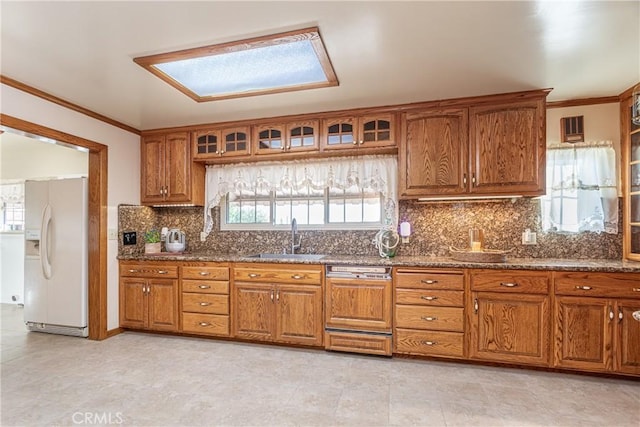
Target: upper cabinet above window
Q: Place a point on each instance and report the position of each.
(222, 142)
(351, 132)
(286, 137)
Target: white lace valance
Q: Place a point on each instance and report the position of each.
(12, 193)
(366, 173)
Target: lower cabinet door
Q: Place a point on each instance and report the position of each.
(253, 311)
(299, 314)
(133, 308)
(627, 337)
(163, 304)
(583, 333)
(508, 327)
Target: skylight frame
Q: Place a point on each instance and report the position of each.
(311, 34)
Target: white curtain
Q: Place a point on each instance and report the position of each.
(582, 193)
(368, 173)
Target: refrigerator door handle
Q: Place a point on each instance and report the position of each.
(44, 242)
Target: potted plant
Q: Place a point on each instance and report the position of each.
(152, 242)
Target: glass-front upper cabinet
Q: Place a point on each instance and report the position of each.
(285, 138)
(631, 162)
(224, 142)
(359, 131)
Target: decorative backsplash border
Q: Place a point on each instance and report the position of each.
(436, 226)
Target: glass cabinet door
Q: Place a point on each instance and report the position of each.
(634, 191)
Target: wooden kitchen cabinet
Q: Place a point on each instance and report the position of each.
(510, 317)
(429, 312)
(168, 174)
(212, 144)
(594, 328)
(205, 298)
(278, 302)
(494, 145)
(149, 297)
(359, 131)
(630, 148)
(294, 136)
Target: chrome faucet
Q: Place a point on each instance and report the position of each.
(294, 231)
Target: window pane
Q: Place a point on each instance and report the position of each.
(283, 212)
(353, 210)
(316, 212)
(371, 209)
(247, 213)
(300, 211)
(336, 210)
(263, 211)
(233, 212)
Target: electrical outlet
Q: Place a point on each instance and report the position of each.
(129, 238)
(113, 234)
(529, 237)
(203, 236)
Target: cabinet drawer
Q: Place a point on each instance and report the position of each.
(149, 270)
(205, 286)
(429, 297)
(529, 282)
(429, 343)
(205, 303)
(285, 274)
(428, 280)
(624, 285)
(358, 343)
(436, 318)
(205, 324)
(207, 273)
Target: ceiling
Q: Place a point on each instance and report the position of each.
(383, 53)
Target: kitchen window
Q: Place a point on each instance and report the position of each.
(582, 194)
(338, 193)
(12, 207)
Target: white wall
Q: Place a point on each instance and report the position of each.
(12, 267)
(123, 157)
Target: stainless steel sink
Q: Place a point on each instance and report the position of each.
(312, 257)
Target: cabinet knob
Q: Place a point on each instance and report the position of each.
(282, 148)
(355, 142)
(428, 281)
(636, 289)
(133, 271)
(428, 298)
(204, 304)
(204, 323)
(508, 284)
(429, 342)
(204, 287)
(162, 271)
(583, 288)
(204, 273)
(428, 318)
(297, 276)
(254, 275)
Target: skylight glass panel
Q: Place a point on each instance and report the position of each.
(283, 62)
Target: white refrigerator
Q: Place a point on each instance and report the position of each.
(55, 265)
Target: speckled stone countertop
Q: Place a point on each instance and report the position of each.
(408, 261)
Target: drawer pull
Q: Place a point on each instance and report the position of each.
(429, 319)
(583, 288)
(298, 276)
(204, 273)
(254, 275)
(429, 298)
(636, 289)
(429, 282)
(204, 287)
(204, 323)
(133, 271)
(204, 304)
(429, 342)
(508, 284)
(162, 272)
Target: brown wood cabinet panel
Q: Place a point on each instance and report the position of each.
(253, 311)
(627, 343)
(148, 269)
(209, 324)
(533, 282)
(583, 333)
(278, 273)
(358, 343)
(434, 318)
(429, 297)
(133, 308)
(205, 303)
(433, 153)
(163, 304)
(205, 286)
(508, 147)
(421, 279)
(509, 327)
(178, 167)
(591, 284)
(205, 272)
(429, 343)
(152, 168)
(299, 314)
(359, 304)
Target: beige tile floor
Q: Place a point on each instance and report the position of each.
(150, 380)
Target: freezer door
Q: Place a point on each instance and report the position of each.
(36, 198)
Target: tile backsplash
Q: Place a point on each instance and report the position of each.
(436, 226)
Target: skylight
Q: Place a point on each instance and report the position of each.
(294, 60)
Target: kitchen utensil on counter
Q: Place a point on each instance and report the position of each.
(176, 240)
(476, 239)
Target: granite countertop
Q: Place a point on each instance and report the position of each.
(601, 265)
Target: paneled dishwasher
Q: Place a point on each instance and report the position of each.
(358, 309)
